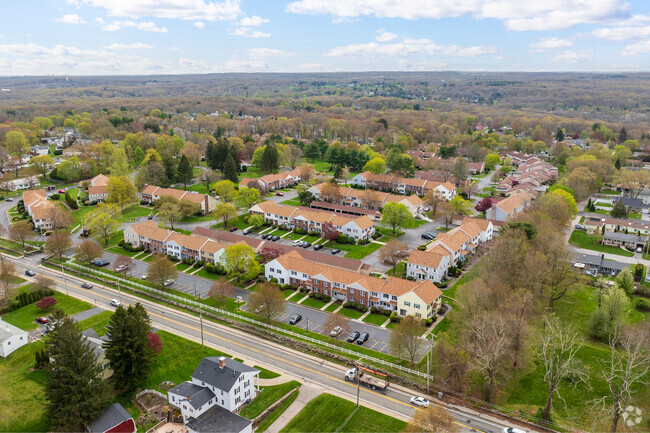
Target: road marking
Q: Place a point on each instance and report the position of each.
(376, 343)
(264, 353)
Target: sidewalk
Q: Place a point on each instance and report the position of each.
(306, 393)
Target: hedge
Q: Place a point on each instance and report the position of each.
(72, 202)
(26, 298)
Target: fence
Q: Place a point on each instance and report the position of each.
(240, 317)
(151, 391)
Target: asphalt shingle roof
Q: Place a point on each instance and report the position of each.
(218, 420)
(225, 378)
(114, 415)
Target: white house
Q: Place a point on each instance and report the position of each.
(16, 184)
(428, 265)
(504, 209)
(219, 386)
(11, 338)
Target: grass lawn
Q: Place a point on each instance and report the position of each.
(266, 397)
(291, 202)
(121, 251)
(98, 322)
(80, 214)
(610, 191)
(25, 317)
(327, 413)
(398, 271)
(205, 274)
(135, 211)
(582, 239)
(237, 222)
(266, 374)
(358, 252)
(311, 302)
(278, 232)
(350, 313)
(389, 232)
(182, 266)
(74, 193)
(287, 293)
(198, 218)
(333, 307)
(270, 418)
(321, 165)
(375, 319)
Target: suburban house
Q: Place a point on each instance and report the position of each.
(114, 419)
(16, 184)
(593, 264)
(531, 175)
(428, 265)
(419, 299)
(39, 208)
(218, 387)
(272, 182)
(370, 199)
(99, 180)
(358, 227)
(441, 176)
(506, 208)
(11, 338)
(151, 193)
(96, 343)
(39, 150)
(476, 167)
(621, 239)
(402, 185)
(593, 222)
(635, 204)
(164, 241)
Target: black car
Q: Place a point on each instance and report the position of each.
(353, 336)
(363, 338)
(86, 285)
(335, 251)
(275, 238)
(295, 319)
(30, 273)
(427, 236)
(247, 231)
(102, 263)
(318, 247)
(264, 236)
(306, 245)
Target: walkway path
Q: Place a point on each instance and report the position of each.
(305, 395)
(88, 313)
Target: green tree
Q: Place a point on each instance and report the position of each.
(604, 321)
(16, 143)
(491, 161)
(270, 162)
(617, 164)
(184, 171)
(121, 192)
(42, 164)
(459, 170)
(247, 197)
(396, 215)
(312, 151)
(103, 222)
(400, 163)
(375, 165)
(120, 163)
(461, 206)
(138, 156)
(75, 391)
(239, 261)
(225, 212)
(127, 347)
(625, 280)
(225, 189)
(256, 220)
(559, 135)
(170, 212)
(70, 169)
(619, 210)
(230, 169)
(46, 122)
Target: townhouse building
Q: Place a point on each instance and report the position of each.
(387, 182)
(369, 199)
(39, 208)
(506, 208)
(420, 299)
(531, 175)
(292, 217)
(272, 182)
(151, 193)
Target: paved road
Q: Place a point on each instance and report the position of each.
(326, 376)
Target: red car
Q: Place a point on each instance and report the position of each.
(42, 320)
(233, 229)
(280, 194)
(61, 191)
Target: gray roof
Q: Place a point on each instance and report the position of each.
(225, 378)
(218, 420)
(114, 415)
(598, 260)
(634, 202)
(620, 236)
(8, 330)
(195, 394)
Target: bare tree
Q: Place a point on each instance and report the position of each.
(58, 243)
(558, 346)
(21, 232)
(519, 306)
(628, 366)
(453, 364)
(434, 419)
(405, 338)
(59, 218)
(220, 290)
(42, 283)
(208, 177)
(267, 301)
(160, 270)
(433, 199)
(331, 192)
(124, 264)
(447, 213)
(7, 275)
(88, 250)
(393, 252)
(335, 320)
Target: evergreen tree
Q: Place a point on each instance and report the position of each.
(589, 205)
(210, 152)
(270, 159)
(127, 347)
(184, 174)
(75, 391)
(617, 164)
(622, 135)
(559, 135)
(221, 151)
(312, 151)
(619, 210)
(230, 169)
(235, 158)
(169, 164)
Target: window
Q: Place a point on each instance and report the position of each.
(272, 270)
(407, 304)
(417, 306)
(385, 296)
(352, 291)
(294, 273)
(373, 294)
(394, 298)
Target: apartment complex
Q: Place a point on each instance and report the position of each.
(39, 208)
(407, 298)
(506, 208)
(272, 182)
(97, 188)
(151, 193)
(531, 175)
(403, 185)
(294, 217)
(610, 224)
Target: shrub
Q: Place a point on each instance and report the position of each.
(642, 304)
(46, 303)
(638, 270)
(55, 196)
(143, 202)
(72, 202)
(351, 240)
(373, 309)
(422, 248)
(301, 231)
(274, 280)
(342, 239)
(173, 258)
(314, 233)
(121, 243)
(211, 268)
(2, 197)
(385, 312)
(428, 322)
(442, 285)
(643, 290)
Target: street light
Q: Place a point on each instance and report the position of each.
(200, 312)
(429, 361)
(65, 281)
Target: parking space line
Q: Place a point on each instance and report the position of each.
(376, 342)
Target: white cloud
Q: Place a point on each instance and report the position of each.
(174, 48)
(546, 44)
(248, 33)
(147, 26)
(71, 19)
(573, 57)
(262, 53)
(199, 25)
(518, 15)
(123, 47)
(407, 47)
(386, 37)
(622, 33)
(192, 10)
(642, 47)
(253, 21)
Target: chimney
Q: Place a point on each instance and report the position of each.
(222, 362)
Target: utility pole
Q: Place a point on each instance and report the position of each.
(65, 281)
(358, 381)
(200, 311)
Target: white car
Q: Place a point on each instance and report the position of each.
(297, 243)
(144, 276)
(336, 331)
(169, 282)
(115, 303)
(420, 401)
(512, 430)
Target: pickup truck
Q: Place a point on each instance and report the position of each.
(371, 379)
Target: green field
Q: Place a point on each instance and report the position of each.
(314, 303)
(350, 313)
(266, 397)
(327, 413)
(582, 239)
(270, 418)
(135, 211)
(25, 317)
(375, 319)
(266, 374)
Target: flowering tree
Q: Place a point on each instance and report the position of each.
(46, 303)
(483, 205)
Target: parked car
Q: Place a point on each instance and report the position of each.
(512, 430)
(420, 401)
(101, 263)
(86, 285)
(580, 227)
(115, 303)
(42, 320)
(61, 191)
(363, 338)
(93, 261)
(144, 276)
(30, 273)
(336, 331)
(150, 216)
(353, 336)
(306, 244)
(427, 236)
(121, 268)
(335, 251)
(10, 199)
(297, 243)
(247, 231)
(168, 282)
(275, 238)
(279, 194)
(639, 249)
(233, 229)
(318, 247)
(295, 319)
(264, 236)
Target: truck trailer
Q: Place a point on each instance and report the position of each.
(371, 379)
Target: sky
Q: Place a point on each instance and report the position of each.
(126, 37)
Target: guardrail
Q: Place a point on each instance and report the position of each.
(240, 317)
